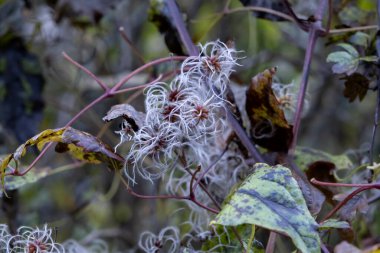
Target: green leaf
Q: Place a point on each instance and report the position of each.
(370, 58)
(305, 156)
(271, 198)
(350, 49)
(224, 240)
(360, 39)
(344, 62)
(333, 223)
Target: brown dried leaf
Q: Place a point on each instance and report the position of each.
(356, 86)
(269, 127)
(323, 171)
(135, 118)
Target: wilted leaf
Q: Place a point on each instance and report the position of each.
(356, 86)
(333, 223)
(358, 203)
(86, 147)
(271, 198)
(345, 61)
(134, 118)
(81, 145)
(222, 236)
(269, 127)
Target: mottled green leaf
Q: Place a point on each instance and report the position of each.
(333, 223)
(271, 198)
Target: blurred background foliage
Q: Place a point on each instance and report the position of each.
(40, 90)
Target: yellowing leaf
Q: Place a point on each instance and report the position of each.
(81, 145)
(49, 135)
(271, 198)
(4, 164)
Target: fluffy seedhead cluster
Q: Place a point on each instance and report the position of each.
(42, 240)
(183, 116)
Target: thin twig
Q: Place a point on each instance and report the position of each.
(243, 137)
(352, 29)
(144, 67)
(261, 9)
(139, 87)
(208, 169)
(130, 44)
(87, 71)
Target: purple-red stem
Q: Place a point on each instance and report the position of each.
(88, 72)
(108, 92)
(315, 181)
(315, 31)
(346, 199)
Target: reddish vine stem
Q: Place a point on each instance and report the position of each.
(191, 197)
(315, 181)
(87, 71)
(315, 31)
(108, 92)
(346, 199)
